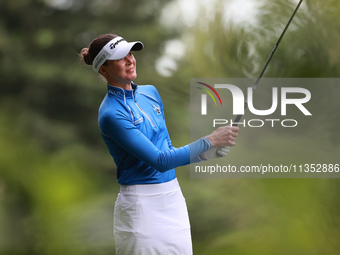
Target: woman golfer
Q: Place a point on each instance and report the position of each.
(150, 215)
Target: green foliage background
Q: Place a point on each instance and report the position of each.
(57, 180)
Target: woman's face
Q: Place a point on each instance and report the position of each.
(120, 72)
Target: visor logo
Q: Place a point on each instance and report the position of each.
(113, 45)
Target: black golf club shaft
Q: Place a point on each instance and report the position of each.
(238, 117)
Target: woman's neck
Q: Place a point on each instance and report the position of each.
(126, 86)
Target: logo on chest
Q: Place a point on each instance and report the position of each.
(157, 109)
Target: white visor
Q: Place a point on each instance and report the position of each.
(115, 49)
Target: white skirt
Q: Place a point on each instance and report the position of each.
(152, 219)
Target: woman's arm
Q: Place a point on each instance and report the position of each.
(126, 135)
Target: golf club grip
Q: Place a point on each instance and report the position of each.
(223, 151)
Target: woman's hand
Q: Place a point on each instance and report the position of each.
(223, 136)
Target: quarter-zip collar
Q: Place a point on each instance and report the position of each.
(121, 93)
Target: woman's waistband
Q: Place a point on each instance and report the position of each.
(150, 188)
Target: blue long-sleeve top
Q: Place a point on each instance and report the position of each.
(133, 127)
